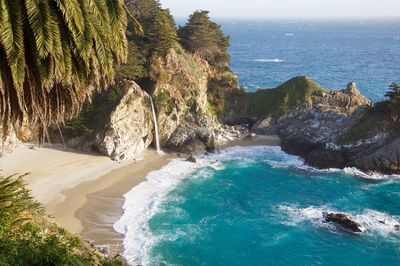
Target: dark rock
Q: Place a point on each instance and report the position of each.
(342, 220)
(191, 159)
(397, 228)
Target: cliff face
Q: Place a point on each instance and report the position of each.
(337, 130)
(130, 128)
(185, 121)
(119, 123)
(116, 123)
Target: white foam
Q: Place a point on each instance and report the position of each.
(143, 202)
(269, 60)
(289, 34)
(379, 223)
(373, 222)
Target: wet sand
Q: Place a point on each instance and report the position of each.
(104, 207)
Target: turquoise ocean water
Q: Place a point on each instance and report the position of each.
(258, 205)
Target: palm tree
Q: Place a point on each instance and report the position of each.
(15, 199)
(55, 53)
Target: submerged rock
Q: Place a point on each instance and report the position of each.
(342, 220)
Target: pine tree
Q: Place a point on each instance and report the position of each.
(206, 39)
(158, 26)
(394, 91)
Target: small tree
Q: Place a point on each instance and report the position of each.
(205, 38)
(394, 101)
(394, 91)
(158, 26)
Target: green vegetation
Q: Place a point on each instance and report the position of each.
(27, 238)
(394, 98)
(384, 116)
(275, 102)
(94, 114)
(159, 36)
(165, 100)
(205, 38)
(221, 86)
(54, 53)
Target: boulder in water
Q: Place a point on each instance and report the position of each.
(342, 220)
(191, 159)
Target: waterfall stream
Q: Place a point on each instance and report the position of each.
(159, 151)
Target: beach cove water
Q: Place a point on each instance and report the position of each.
(259, 206)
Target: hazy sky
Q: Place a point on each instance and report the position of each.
(286, 8)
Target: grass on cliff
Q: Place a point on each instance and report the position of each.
(28, 238)
(275, 102)
(379, 118)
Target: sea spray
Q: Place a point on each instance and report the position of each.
(153, 110)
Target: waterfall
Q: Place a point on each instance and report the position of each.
(159, 151)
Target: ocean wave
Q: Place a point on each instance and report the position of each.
(143, 202)
(289, 34)
(373, 222)
(269, 60)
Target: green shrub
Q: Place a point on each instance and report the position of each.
(275, 102)
(27, 238)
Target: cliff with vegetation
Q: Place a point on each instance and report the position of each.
(248, 107)
(329, 129)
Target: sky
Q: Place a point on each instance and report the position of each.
(269, 9)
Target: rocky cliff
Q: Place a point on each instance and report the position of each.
(338, 129)
(185, 121)
(117, 123)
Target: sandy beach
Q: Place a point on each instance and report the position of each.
(84, 191)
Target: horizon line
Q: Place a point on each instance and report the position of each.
(297, 18)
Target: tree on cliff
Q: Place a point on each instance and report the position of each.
(394, 97)
(54, 53)
(158, 26)
(394, 91)
(203, 37)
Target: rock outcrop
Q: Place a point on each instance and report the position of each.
(130, 129)
(312, 129)
(342, 220)
(117, 123)
(9, 143)
(185, 121)
(338, 129)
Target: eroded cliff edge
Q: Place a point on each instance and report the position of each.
(118, 122)
(330, 129)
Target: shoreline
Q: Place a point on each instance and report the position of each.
(99, 227)
(84, 192)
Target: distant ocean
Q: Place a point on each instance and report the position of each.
(257, 205)
(267, 53)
